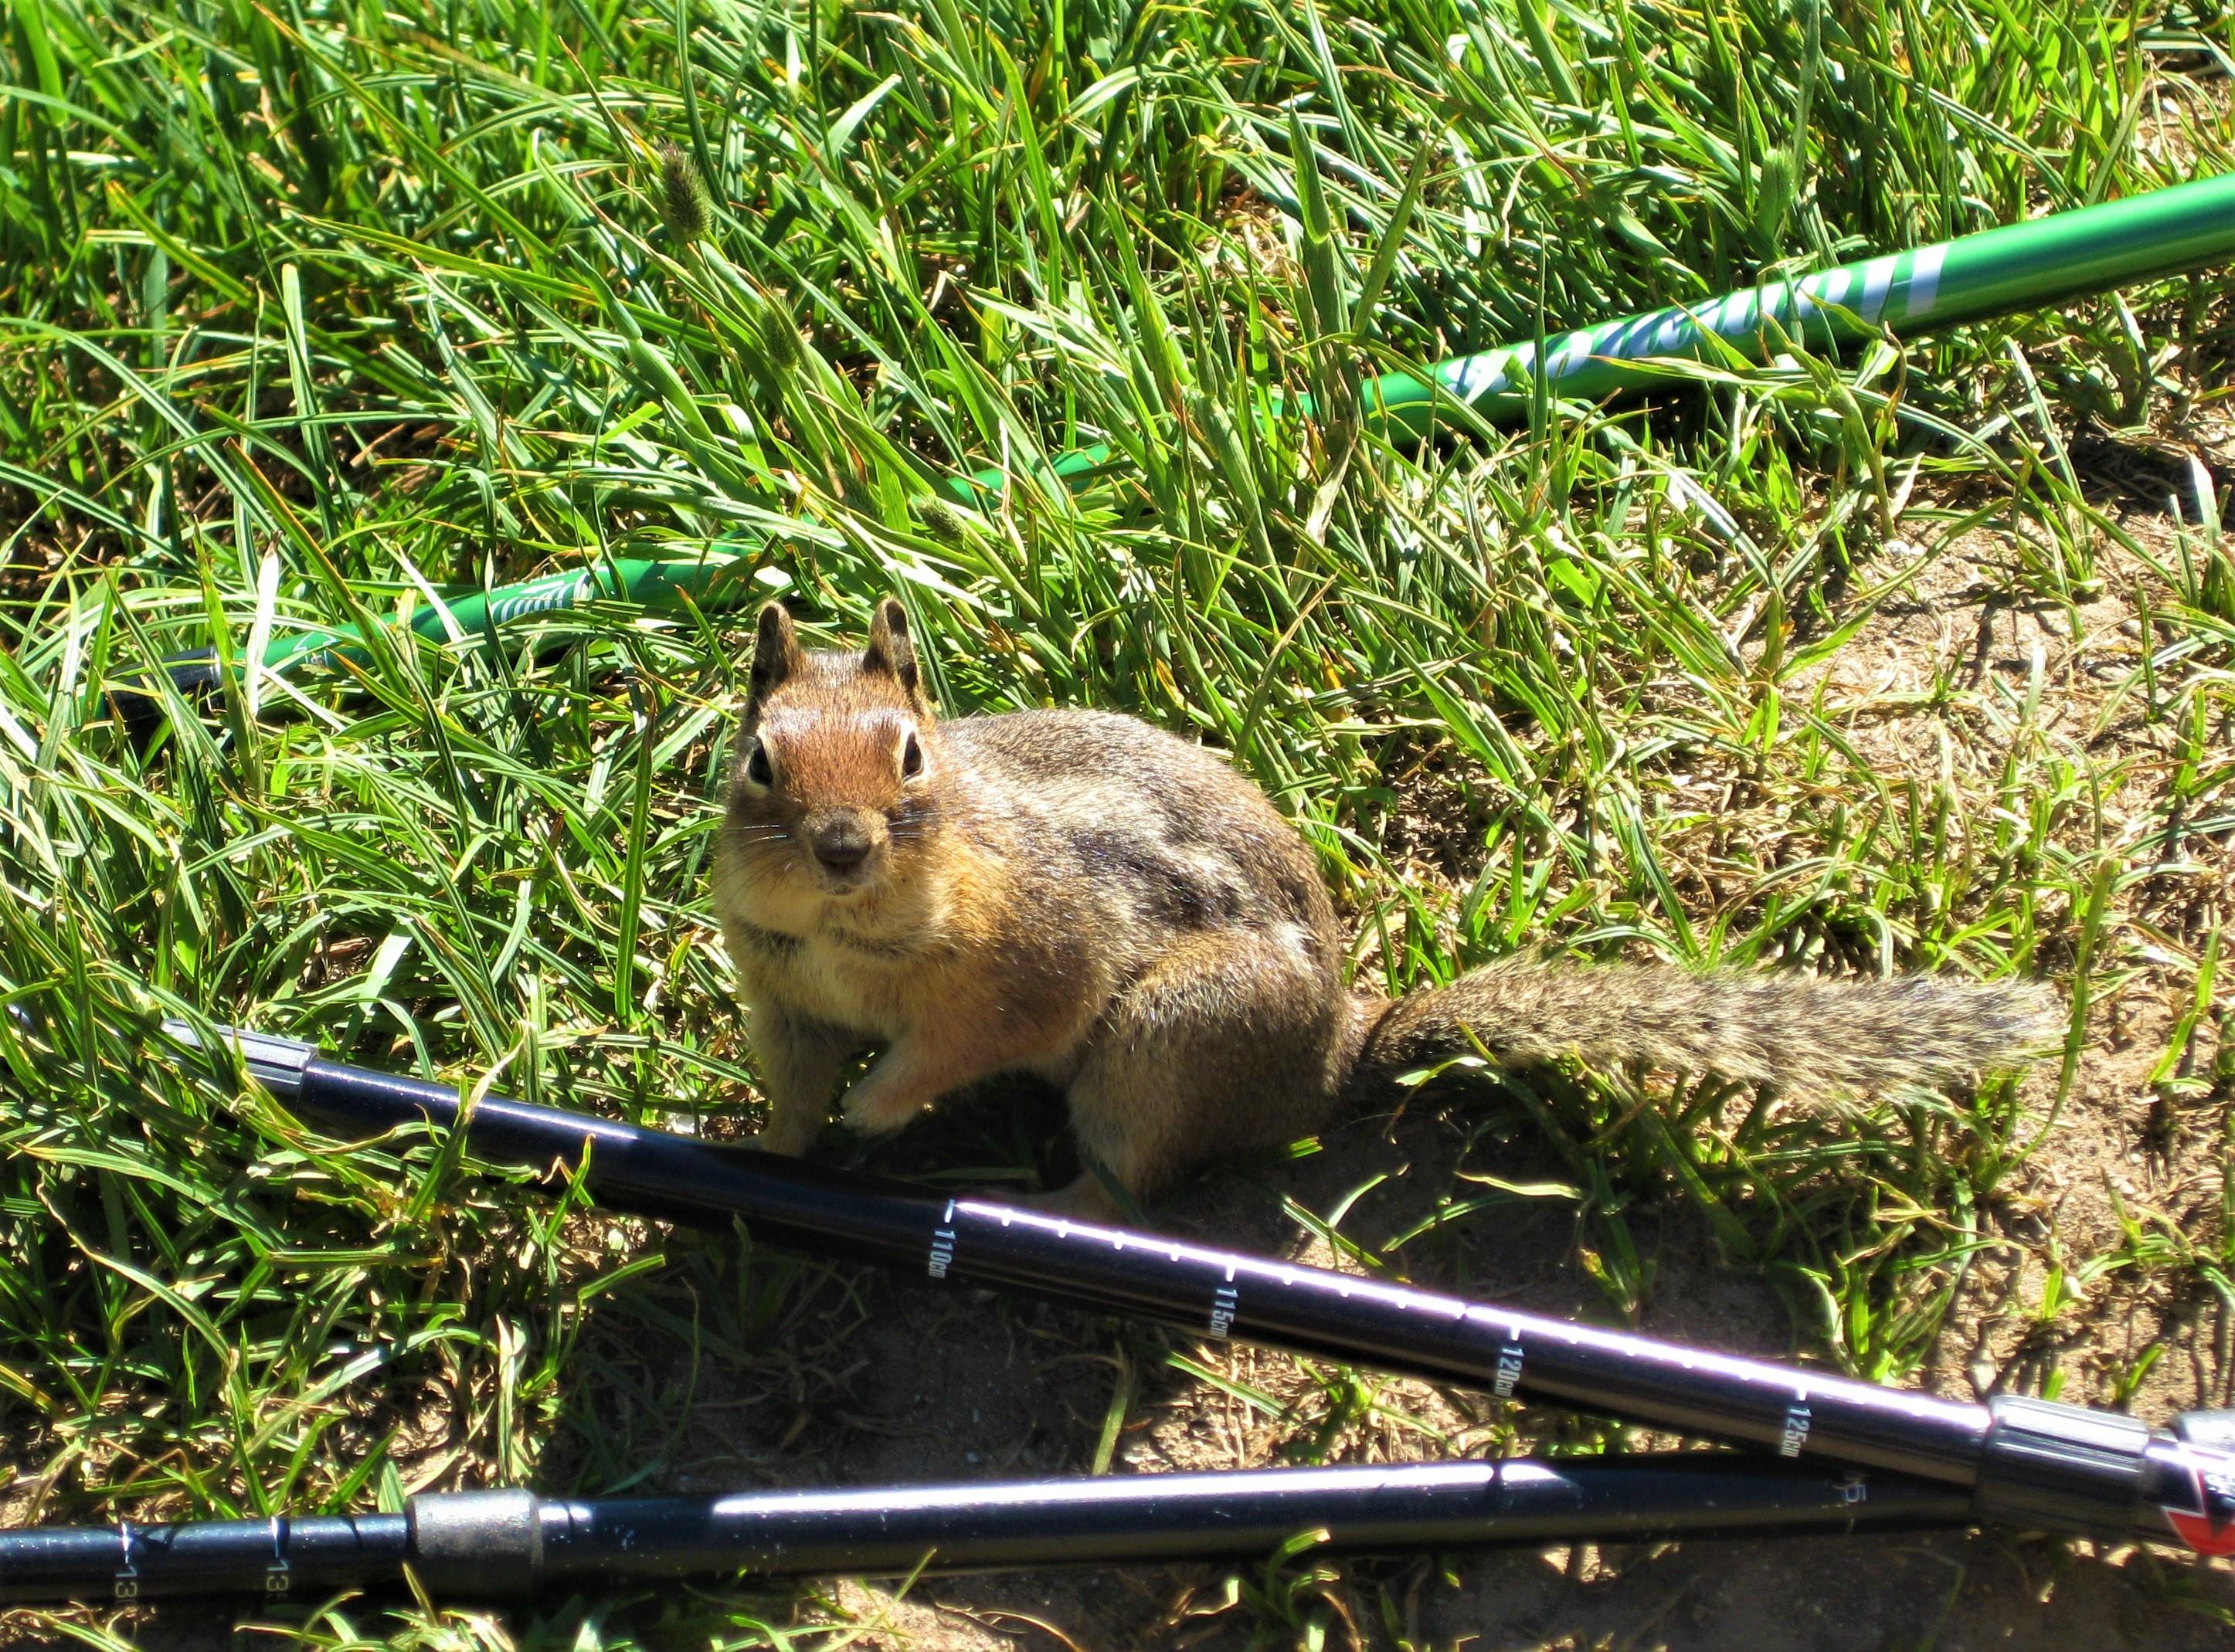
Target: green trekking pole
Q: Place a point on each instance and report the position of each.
(2030, 265)
(714, 581)
(2022, 266)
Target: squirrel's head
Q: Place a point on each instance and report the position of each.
(838, 760)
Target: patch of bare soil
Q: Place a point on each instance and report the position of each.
(914, 1385)
(2118, 1208)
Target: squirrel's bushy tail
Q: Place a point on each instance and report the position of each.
(1799, 1033)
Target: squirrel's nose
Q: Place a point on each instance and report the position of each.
(841, 847)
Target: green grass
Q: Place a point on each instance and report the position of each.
(311, 307)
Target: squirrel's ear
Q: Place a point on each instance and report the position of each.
(776, 651)
(891, 650)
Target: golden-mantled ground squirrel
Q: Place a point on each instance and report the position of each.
(1082, 897)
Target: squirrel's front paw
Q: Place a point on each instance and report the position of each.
(791, 1138)
(1084, 1200)
(874, 1109)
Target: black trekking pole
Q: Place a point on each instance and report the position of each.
(514, 1544)
(2034, 1464)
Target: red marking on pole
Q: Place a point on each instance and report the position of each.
(2199, 1532)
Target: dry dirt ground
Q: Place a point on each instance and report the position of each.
(910, 1385)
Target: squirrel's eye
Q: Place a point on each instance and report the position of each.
(911, 759)
(757, 767)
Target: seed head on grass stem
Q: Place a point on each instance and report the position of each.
(683, 205)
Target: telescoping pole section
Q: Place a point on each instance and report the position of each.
(511, 1544)
(2027, 265)
(2030, 1463)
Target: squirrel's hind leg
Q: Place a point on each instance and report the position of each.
(1229, 1042)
